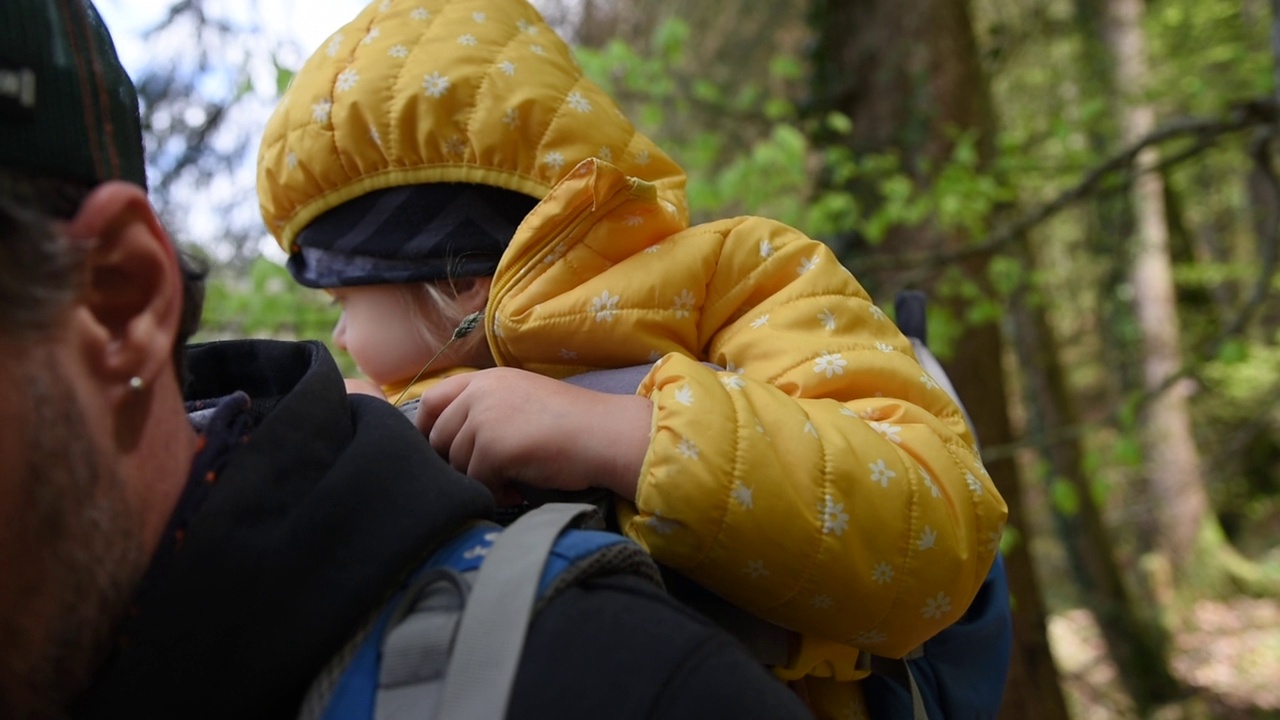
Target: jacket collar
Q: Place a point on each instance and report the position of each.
(312, 524)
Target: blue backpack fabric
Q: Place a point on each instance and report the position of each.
(960, 673)
(443, 593)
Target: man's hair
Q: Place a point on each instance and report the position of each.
(42, 270)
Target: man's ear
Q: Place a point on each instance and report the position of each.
(132, 301)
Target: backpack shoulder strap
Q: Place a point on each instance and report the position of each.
(452, 649)
(491, 634)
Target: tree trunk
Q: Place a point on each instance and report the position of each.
(1137, 645)
(907, 73)
(1171, 459)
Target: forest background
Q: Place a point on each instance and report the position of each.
(1085, 189)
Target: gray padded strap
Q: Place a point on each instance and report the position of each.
(415, 651)
(917, 701)
(935, 370)
(490, 641)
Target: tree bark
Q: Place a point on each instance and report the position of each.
(1171, 458)
(907, 73)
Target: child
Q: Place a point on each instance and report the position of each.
(437, 158)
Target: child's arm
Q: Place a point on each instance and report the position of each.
(826, 484)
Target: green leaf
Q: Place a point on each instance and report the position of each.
(1233, 352)
(838, 123)
(284, 77)
(1064, 497)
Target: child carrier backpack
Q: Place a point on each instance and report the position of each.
(448, 644)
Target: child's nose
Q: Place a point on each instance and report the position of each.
(340, 332)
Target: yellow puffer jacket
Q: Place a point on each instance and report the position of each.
(821, 480)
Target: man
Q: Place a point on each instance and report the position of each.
(208, 559)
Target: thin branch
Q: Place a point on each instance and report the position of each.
(1207, 132)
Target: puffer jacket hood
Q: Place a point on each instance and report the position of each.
(426, 91)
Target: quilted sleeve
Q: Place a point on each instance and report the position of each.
(823, 481)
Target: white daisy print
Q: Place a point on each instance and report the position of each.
(755, 569)
(435, 84)
(578, 102)
(847, 412)
(928, 538)
(335, 44)
(652, 248)
(882, 574)
(455, 146)
(537, 50)
(934, 607)
(881, 474)
(887, 430)
(385, 6)
(683, 304)
(605, 153)
(684, 395)
(556, 253)
(398, 51)
(742, 495)
(870, 637)
(420, 13)
(507, 67)
(929, 483)
(877, 313)
(320, 110)
(732, 381)
(808, 264)
(605, 306)
(766, 249)
(975, 485)
(828, 320)
(479, 17)
(371, 36)
(554, 160)
(822, 602)
(511, 118)
(688, 449)
(347, 79)
(468, 40)
(929, 382)
(636, 221)
(291, 160)
(567, 354)
(994, 538)
(834, 518)
(760, 322)
(642, 157)
(884, 347)
(830, 364)
(526, 26)
(730, 367)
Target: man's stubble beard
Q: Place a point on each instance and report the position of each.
(80, 554)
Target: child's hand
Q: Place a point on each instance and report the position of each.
(504, 425)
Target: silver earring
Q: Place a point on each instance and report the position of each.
(136, 384)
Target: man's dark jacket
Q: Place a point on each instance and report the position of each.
(315, 520)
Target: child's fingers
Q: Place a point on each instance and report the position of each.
(436, 399)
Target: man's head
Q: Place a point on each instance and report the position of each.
(93, 450)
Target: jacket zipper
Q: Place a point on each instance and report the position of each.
(530, 259)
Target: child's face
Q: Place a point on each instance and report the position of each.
(379, 329)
